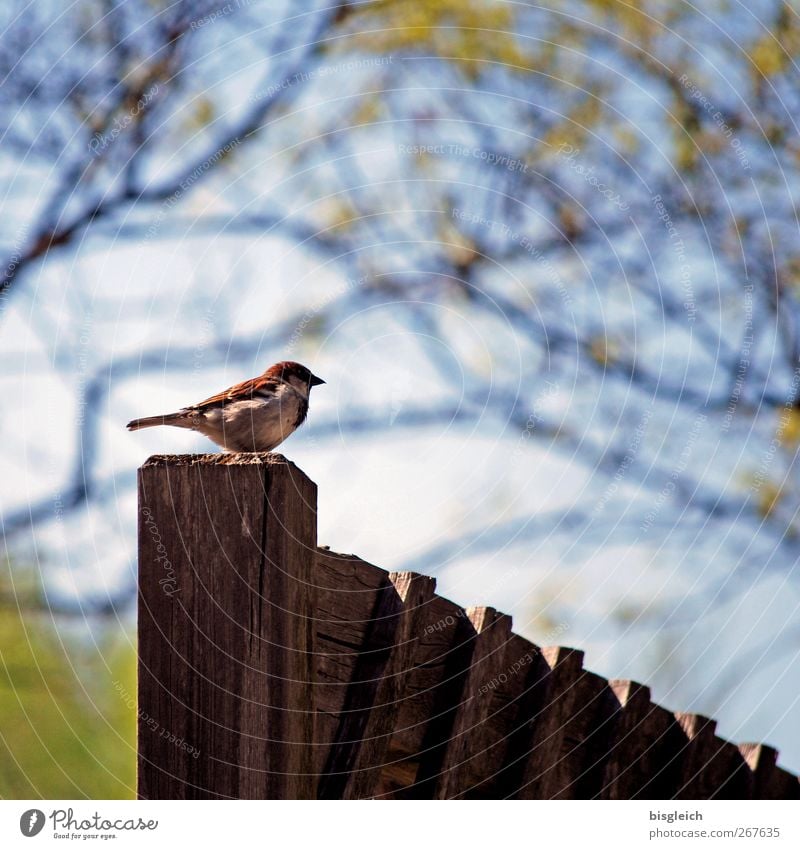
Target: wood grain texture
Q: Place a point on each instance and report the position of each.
(225, 619)
(377, 691)
(425, 717)
(517, 705)
(348, 591)
(572, 739)
(645, 760)
(466, 761)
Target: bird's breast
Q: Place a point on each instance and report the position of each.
(260, 424)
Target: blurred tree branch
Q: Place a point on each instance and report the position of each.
(463, 168)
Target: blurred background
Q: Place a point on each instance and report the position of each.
(546, 256)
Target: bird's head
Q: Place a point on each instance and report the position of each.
(295, 374)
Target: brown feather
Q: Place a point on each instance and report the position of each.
(245, 389)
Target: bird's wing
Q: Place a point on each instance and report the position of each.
(240, 392)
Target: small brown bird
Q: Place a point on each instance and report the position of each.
(255, 415)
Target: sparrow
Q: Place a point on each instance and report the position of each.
(255, 415)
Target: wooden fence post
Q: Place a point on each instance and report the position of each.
(226, 607)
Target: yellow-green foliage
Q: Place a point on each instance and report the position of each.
(65, 731)
(462, 30)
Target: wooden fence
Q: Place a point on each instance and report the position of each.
(270, 668)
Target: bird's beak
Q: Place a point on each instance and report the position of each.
(315, 381)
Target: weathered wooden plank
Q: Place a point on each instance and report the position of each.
(769, 780)
(559, 700)
(225, 612)
(516, 708)
(573, 733)
(645, 757)
(466, 761)
(425, 719)
(712, 768)
(348, 590)
(377, 690)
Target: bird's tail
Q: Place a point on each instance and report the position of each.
(175, 419)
